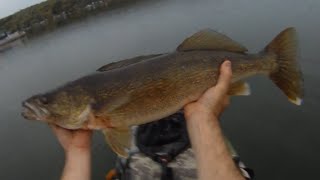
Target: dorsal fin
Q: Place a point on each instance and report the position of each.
(126, 62)
(209, 39)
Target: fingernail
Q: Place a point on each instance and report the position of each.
(228, 63)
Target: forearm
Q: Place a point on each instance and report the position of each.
(77, 165)
(212, 155)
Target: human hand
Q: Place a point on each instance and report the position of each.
(215, 99)
(76, 144)
(213, 157)
(73, 140)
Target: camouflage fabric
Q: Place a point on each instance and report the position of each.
(141, 167)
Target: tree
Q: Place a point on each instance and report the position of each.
(57, 7)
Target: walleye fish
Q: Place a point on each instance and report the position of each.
(147, 88)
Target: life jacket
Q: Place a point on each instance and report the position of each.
(163, 141)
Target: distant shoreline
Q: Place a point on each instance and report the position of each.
(50, 15)
(12, 38)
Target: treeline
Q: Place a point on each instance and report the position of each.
(51, 14)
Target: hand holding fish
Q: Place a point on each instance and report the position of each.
(215, 99)
(212, 155)
(73, 140)
(76, 144)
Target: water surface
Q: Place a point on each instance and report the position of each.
(275, 138)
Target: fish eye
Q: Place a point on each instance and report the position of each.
(43, 100)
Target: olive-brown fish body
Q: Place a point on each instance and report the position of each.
(156, 88)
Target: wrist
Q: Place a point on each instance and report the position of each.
(77, 152)
(200, 116)
(77, 164)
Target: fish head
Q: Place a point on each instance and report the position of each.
(67, 110)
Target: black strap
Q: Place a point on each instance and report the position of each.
(163, 140)
(167, 173)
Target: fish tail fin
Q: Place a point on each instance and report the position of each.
(287, 76)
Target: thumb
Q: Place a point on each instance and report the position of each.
(225, 78)
(216, 94)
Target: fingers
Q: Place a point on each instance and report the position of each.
(70, 139)
(57, 130)
(225, 78)
(216, 98)
(63, 135)
(82, 133)
(54, 128)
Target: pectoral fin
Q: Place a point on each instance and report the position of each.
(119, 140)
(209, 39)
(105, 106)
(239, 88)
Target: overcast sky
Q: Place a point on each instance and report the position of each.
(8, 7)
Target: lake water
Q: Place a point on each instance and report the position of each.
(275, 138)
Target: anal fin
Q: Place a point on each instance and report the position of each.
(119, 140)
(239, 88)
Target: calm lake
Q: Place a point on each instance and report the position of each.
(274, 137)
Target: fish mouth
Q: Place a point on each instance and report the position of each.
(33, 112)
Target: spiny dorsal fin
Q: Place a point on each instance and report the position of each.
(126, 62)
(209, 39)
(119, 140)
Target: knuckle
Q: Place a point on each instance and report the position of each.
(221, 88)
(228, 74)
